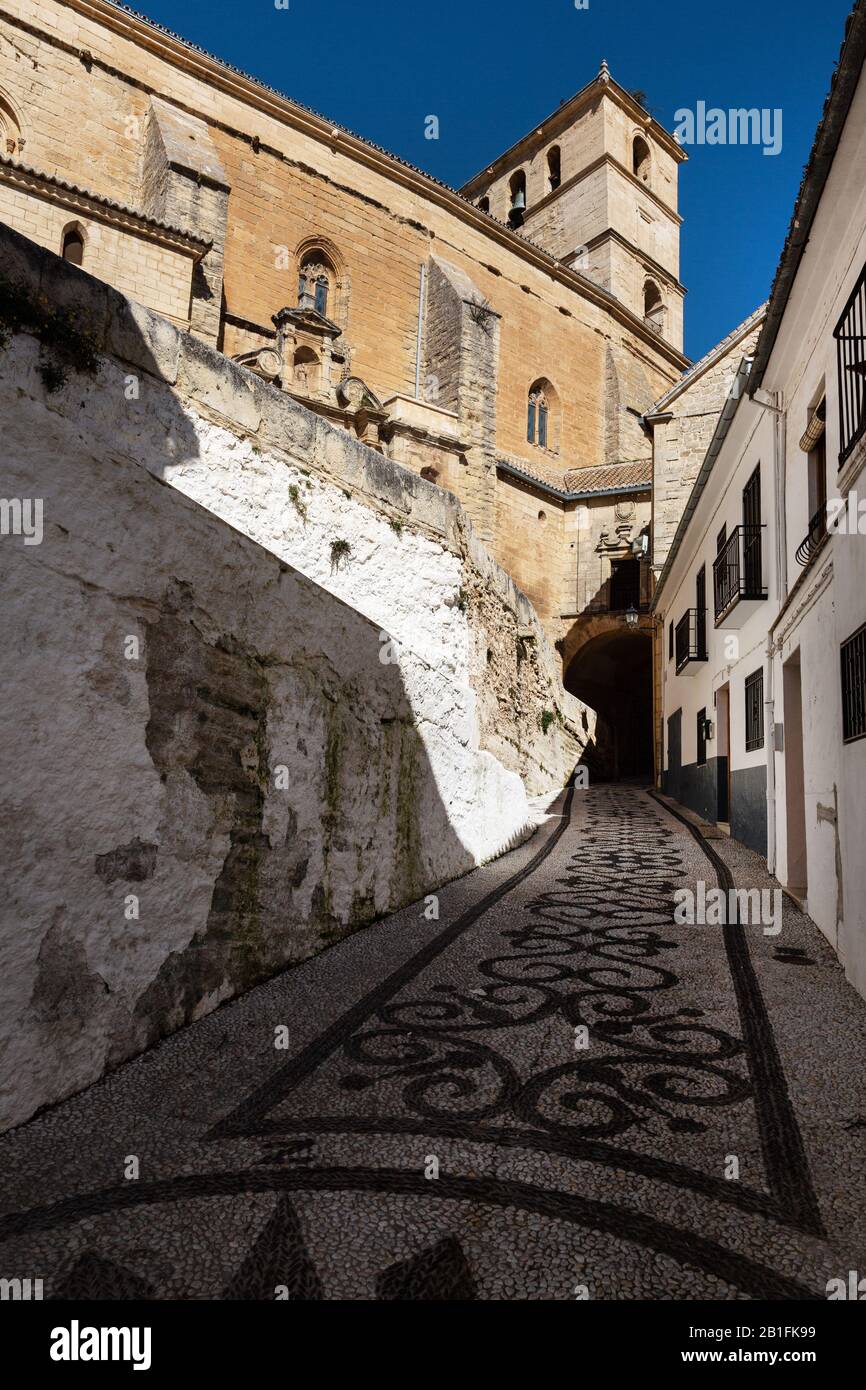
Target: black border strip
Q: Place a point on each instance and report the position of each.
(785, 1158)
(634, 1227)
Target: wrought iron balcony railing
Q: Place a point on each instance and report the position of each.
(690, 638)
(811, 542)
(737, 571)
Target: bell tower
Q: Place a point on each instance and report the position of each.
(595, 185)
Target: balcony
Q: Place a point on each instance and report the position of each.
(737, 587)
(690, 642)
(814, 537)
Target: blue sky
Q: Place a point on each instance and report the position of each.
(489, 70)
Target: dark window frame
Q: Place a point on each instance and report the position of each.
(852, 661)
(753, 694)
(701, 611)
(624, 590)
(850, 336)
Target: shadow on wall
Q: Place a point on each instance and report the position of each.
(211, 773)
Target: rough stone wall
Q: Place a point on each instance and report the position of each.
(184, 184)
(337, 700)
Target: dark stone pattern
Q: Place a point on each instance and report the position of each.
(555, 1164)
(93, 1278)
(278, 1260)
(440, 1273)
(595, 951)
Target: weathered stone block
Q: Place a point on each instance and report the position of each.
(142, 339)
(218, 384)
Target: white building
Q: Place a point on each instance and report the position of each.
(763, 592)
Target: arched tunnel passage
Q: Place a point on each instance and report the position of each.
(612, 672)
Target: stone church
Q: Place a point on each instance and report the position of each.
(508, 341)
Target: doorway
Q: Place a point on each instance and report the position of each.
(723, 751)
(675, 755)
(795, 800)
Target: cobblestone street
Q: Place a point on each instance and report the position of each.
(437, 1127)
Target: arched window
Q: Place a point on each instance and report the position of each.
(316, 283)
(323, 279)
(554, 168)
(484, 204)
(72, 244)
(641, 162)
(517, 187)
(306, 371)
(653, 307)
(11, 140)
(541, 415)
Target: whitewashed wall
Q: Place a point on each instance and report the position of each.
(190, 507)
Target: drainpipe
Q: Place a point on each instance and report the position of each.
(421, 288)
(770, 727)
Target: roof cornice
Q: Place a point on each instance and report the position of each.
(181, 53)
(705, 364)
(87, 204)
(565, 494)
(598, 163)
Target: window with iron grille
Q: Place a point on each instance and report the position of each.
(854, 686)
(755, 711)
(850, 335)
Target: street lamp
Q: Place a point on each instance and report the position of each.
(631, 615)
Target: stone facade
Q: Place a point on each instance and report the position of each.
(246, 193)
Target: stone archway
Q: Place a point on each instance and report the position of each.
(608, 665)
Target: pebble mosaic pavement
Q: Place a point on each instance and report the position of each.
(562, 1169)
